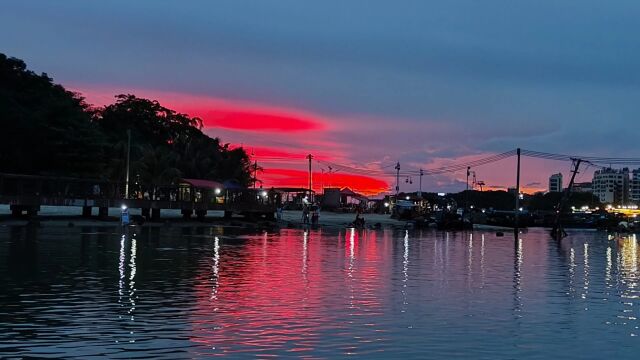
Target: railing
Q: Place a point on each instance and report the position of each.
(31, 190)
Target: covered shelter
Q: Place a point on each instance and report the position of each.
(292, 197)
(201, 190)
(349, 197)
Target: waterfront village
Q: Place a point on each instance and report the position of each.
(609, 201)
(135, 154)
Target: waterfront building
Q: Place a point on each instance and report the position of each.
(611, 186)
(555, 183)
(634, 192)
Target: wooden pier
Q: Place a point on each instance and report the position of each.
(27, 193)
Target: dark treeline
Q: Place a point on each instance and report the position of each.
(48, 130)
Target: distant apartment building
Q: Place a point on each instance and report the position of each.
(611, 186)
(634, 187)
(555, 183)
(582, 187)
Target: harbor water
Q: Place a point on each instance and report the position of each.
(173, 293)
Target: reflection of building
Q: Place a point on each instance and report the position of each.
(634, 192)
(555, 183)
(611, 186)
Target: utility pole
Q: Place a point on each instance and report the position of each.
(517, 216)
(397, 179)
(466, 193)
(558, 231)
(255, 173)
(468, 173)
(420, 188)
(310, 180)
(126, 183)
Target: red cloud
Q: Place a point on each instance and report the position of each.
(268, 153)
(259, 120)
(276, 177)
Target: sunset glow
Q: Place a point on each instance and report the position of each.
(280, 139)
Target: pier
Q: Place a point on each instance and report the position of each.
(25, 194)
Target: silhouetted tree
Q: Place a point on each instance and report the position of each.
(49, 130)
(45, 128)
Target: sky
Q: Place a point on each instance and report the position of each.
(364, 84)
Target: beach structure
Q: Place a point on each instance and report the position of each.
(27, 193)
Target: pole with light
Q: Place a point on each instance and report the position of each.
(126, 183)
(397, 179)
(310, 157)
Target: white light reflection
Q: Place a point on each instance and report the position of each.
(519, 260)
(520, 255)
(405, 262)
(352, 240)
(585, 286)
(121, 270)
(352, 237)
(405, 269)
(470, 261)
(482, 272)
(305, 252)
(572, 269)
(215, 268)
(132, 276)
(607, 277)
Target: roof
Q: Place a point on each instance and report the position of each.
(203, 184)
(233, 185)
(292, 190)
(348, 192)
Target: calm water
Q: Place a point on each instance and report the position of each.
(189, 293)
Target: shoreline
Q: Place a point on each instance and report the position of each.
(71, 216)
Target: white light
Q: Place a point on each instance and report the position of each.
(124, 207)
(471, 206)
(264, 193)
(441, 194)
(386, 204)
(407, 198)
(217, 191)
(520, 209)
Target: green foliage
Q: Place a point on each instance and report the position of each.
(45, 128)
(49, 130)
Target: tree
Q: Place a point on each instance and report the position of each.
(45, 128)
(51, 131)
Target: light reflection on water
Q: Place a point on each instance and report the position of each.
(188, 293)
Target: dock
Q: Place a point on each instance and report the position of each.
(25, 194)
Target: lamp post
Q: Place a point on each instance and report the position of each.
(397, 179)
(126, 183)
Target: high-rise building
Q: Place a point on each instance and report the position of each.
(611, 186)
(555, 183)
(634, 193)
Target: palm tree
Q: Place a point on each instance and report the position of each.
(157, 167)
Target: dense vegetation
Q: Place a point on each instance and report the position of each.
(47, 130)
